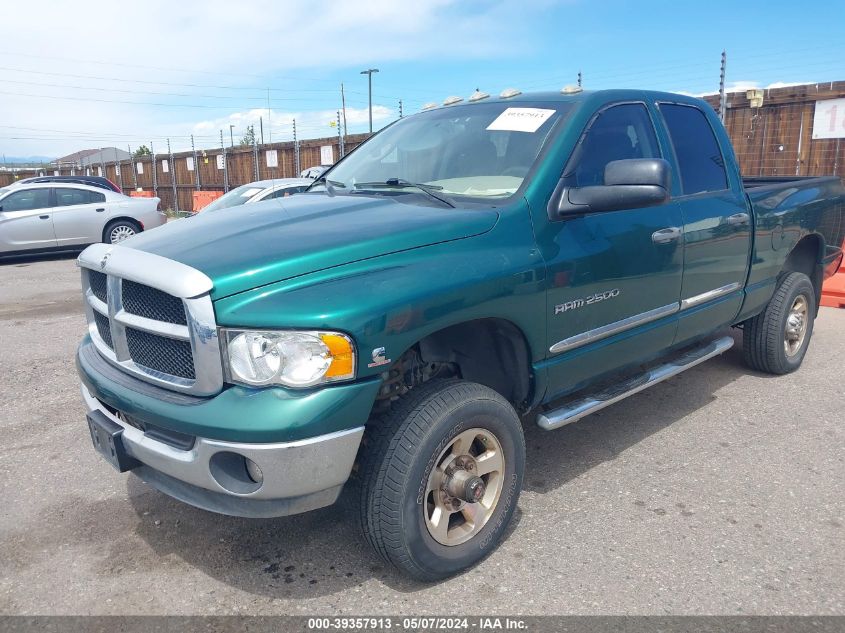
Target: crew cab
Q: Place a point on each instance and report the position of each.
(531, 256)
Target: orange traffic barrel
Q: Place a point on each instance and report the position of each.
(142, 194)
(204, 198)
(833, 290)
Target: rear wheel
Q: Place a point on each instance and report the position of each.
(439, 477)
(120, 230)
(776, 340)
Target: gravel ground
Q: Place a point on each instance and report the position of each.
(718, 492)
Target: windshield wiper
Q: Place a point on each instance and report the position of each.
(406, 184)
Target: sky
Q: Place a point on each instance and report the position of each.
(103, 74)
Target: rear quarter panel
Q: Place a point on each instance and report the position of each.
(784, 214)
(143, 210)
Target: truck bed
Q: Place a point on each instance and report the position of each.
(752, 182)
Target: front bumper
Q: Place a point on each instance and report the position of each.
(194, 448)
(296, 476)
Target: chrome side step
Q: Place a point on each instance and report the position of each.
(577, 409)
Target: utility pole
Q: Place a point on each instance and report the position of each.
(134, 167)
(369, 72)
(339, 136)
(225, 165)
(269, 127)
(343, 105)
(254, 153)
(155, 176)
(297, 168)
(579, 78)
(198, 185)
(231, 136)
(722, 103)
(261, 127)
(117, 171)
(400, 108)
(173, 177)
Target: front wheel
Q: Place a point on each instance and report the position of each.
(776, 340)
(439, 478)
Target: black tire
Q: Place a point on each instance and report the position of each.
(398, 454)
(120, 226)
(763, 337)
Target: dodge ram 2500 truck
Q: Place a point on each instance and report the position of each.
(383, 333)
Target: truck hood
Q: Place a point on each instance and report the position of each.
(241, 248)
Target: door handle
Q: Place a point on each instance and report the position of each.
(667, 235)
(738, 218)
(44, 217)
(99, 210)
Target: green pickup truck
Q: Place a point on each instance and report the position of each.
(531, 257)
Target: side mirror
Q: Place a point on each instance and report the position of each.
(633, 183)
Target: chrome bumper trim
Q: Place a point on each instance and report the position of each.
(290, 469)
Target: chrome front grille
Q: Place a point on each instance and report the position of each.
(152, 317)
(152, 304)
(163, 354)
(101, 321)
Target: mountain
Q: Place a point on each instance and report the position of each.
(15, 161)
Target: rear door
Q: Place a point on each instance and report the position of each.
(717, 223)
(26, 220)
(79, 215)
(614, 278)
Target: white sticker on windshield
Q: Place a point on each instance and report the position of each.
(250, 192)
(521, 119)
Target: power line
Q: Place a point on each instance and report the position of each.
(159, 68)
(159, 83)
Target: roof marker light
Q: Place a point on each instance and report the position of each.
(477, 96)
(571, 90)
(429, 106)
(507, 93)
(452, 100)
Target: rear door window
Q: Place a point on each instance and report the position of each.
(68, 196)
(697, 151)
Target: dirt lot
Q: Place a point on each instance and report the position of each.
(721, 491)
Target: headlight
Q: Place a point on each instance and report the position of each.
(289, 358)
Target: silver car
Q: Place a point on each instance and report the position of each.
(53, 216)
(258, 191)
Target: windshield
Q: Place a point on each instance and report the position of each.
(482, 151)
(235, 197)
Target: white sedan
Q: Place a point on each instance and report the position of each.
(52, 216)
(258, 191)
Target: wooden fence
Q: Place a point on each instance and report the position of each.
(774, 139)
(184, 172)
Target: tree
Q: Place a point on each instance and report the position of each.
(249, 137)
(142, 151)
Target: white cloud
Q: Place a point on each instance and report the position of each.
(222, 44)
(744, 86)
(309, 124)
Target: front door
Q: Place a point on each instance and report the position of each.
(26, 220)
(717, 225)
(614, 277)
